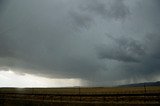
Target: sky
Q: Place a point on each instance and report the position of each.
(79, 42)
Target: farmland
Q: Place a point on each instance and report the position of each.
(97, 96)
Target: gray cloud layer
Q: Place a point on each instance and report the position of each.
(115, 9)
(101, 41)
(126, 50)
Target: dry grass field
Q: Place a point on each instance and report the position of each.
(97, 96)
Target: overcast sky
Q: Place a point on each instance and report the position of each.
(100, 42)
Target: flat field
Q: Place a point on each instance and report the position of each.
(80, 96)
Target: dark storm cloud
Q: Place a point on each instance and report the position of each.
(119, 10)
(81, 20)
(2, 5)
(41, 37)
(87, 11)
(114, 9)
(45, 41)
(123, 49)
(149, 65)
(153, 47)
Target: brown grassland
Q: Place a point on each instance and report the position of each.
(80, 96)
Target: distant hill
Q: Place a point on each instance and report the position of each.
(142, 84)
